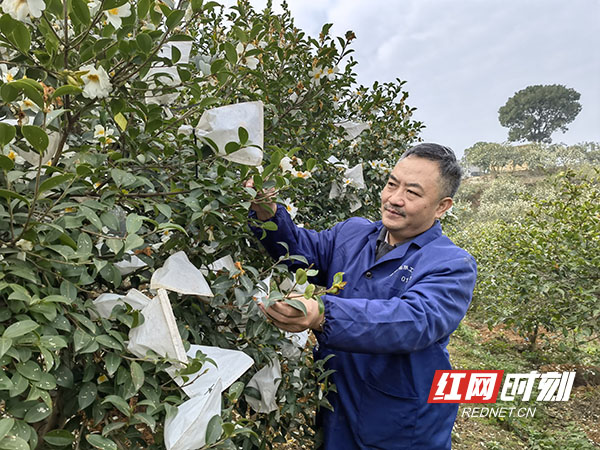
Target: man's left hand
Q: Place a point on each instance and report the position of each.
(292, 319)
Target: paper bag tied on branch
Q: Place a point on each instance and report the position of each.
(159, 331)
(178, 274)
(106, 302)
(187, 429)
(231, 364)
(266, 381)
(221, 126)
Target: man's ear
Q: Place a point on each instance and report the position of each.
(444, 205)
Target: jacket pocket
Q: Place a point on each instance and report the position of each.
(386, 420)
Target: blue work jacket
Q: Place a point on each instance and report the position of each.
(388, 329)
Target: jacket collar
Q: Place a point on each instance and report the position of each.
(400, 251)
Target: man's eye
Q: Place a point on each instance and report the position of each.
(413, 193)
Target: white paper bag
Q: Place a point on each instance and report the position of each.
(263, 294)
(106, 302)
(178, 274)
(355, 174)
(266, 381)
(221, 125)
(187, 430)
(353, 129)
(231, 364)
(166, 76)
(226, 262)
(293, 349)
(159, 331)
(126, 267)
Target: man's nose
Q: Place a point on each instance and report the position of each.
(397, 198)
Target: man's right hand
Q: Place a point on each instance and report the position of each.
(263, 203)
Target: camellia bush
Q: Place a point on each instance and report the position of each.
(540, 271)
(104, 175)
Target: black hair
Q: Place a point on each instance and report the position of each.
(450, 171)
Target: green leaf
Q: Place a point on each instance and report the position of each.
(87, 395)
(9, 93)
(112, 362)
(171, 226)
(164, 209)
(122, 178)
(6, 163)
(5, 344)
(144, 42)
(5, 426)
(215, 68)
(37, 412)
(36, 137)
(30, 91)
(81, 11)
(301, 276)
(100, 442)
(143, 7)
(121, 121)
(214, 429)
(137, 375)
(54, 342)
(118, 403)
(230, 53)
(67, 89)
(309, 291)
(14, 443)
(55, 181)
(270, 226)
(22, 37)
(20, 328)
(92, 217)
(7, 134)
(174, 18)
(10, 194)
(133, 223)
(59, 438)
(133, 241)
(243, 135)
(81, 340)
(236, 390)
(30, 370)
(109, 341)
(299, 305)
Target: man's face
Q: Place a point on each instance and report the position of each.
(411, 200)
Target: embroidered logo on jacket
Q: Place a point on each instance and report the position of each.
(404, 272)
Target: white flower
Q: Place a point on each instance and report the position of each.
(27, 104)
(8, 75)
(347, 182)
(330, 72)
(286, 164)
(250, 62)
(97, 84)
(20, 9)
(374, 164)
(301, 174)
(25, 245)
(104, 135)
(316, 74)
(94, 6)
(114, 15)
(291, 209)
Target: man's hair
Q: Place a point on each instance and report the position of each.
(450, 171)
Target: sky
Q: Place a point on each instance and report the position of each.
(463, 59)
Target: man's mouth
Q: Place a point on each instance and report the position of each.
(392, 210)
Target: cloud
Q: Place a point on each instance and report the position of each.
(463, 59)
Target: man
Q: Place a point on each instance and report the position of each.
(408, 287)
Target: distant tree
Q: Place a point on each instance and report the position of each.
(489, 156)
(534, 113)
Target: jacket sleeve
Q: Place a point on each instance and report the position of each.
(426, 312)
(316, 247)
